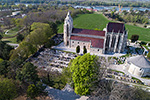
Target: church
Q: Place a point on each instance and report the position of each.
(113, 38)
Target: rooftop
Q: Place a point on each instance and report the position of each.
(88, 32)
(95, 42)
(115, 27)
(139, 61)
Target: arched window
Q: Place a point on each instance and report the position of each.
(118, 41)
(113, 41)
(107, 41)
(67, 30)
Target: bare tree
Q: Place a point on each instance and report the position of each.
(7, 22)
(112, 90)
(109, 89)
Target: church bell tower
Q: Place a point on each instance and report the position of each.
(68, 26)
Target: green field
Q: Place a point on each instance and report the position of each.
(12, 32)
(10, 40)
(98, 21)
(88, 21)
(144, 34)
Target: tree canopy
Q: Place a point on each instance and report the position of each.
(4, 50)
(84, 72)
(24, 50)
(40, 34)
(7, 89)
(27, 73)
(3, 68)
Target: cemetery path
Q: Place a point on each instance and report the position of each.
(65, 94)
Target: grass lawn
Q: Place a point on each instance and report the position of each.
(10, 40)
(144, 34)
(12, 32)
(93, 21)
(88, 21)
(117, 71)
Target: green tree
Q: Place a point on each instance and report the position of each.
(32, 91)
(112, 14)
(7, 89)
(50, 43)
(1, 60)
(24, 50)
(4, 68)
(78, 49)
(54, 28)
(27, 73)
(14, 65)
(1, 37)
(40, 34)
(20, 37)
(84, 71)
(36, 90)
(4, 50)
(134, 38)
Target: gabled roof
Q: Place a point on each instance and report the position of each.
(88, 32)
(139, 61)
(95, 42)
(115, 27)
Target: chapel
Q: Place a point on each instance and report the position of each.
(113, 38)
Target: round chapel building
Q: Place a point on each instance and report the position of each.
(138, 65)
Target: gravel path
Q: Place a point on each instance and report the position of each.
(65, 94)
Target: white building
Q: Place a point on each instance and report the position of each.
(138, 65)
(16, 13)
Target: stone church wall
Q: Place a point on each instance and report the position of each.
(75, 43)
(134, 70)
(96, 50)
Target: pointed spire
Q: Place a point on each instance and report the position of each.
(68, 14)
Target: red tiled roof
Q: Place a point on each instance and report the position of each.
(95, 42)
(88, 32)
(115, 27)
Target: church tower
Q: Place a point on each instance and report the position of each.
(68, 26)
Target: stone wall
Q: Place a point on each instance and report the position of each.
(75, 43)
(96, 50)
(134, 70)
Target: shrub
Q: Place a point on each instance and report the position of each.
(145, 26)
(143, 43)
(134, 38)
(49, 43)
